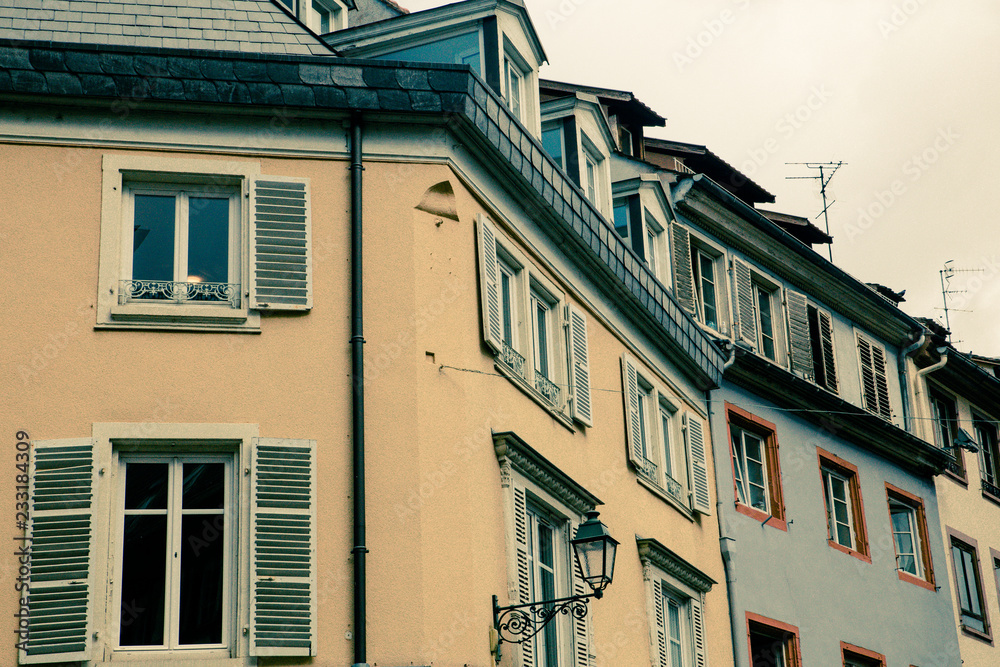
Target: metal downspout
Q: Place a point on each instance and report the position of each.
(360, 550)
(904, 379)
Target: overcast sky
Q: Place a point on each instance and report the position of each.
(905, 92)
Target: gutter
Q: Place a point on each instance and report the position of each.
(904, 380)
(360, 550)
(921, 384)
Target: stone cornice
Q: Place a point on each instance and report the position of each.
(513, 451)
(651, 552)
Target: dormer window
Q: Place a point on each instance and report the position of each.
(554, 142)
(461, 49)
(515, 81)
(326, 16)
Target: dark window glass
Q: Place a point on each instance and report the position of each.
(621, 217)
(204, 485)
(146, 486)
(143, 585)
(552, 142)
(457, 50)
(208, 240)
(203, 540)
(153, 238)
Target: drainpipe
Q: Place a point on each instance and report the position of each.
(360, 551)
(923, 372)
(904, 378)
(727, 543)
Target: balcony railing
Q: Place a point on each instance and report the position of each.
(166, 290)
(512, 359)
(649, 469)
(674, 488)
(991, 489)
(547, 388)
(952, 466)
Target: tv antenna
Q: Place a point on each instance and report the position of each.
(946, 275)
(824, 179)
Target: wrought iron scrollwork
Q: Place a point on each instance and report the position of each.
(520, 622)
(165, 290)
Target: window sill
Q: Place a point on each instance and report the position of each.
(657, 491)
(534, 394)
(955, 477)
(991, 497)
(916, 581)
(761, 516)
(174, 660)
(177, 316)
(977, 634)
(850, 552)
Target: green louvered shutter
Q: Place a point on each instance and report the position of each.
(283, 547)
(747, 329)
(698, 629)
(683, 274)
(694, 433)
(281, 240)
(489, 281)
(521, 548)
(579, 366)
(661, 626)
(633, 425)
(799, 342)
(61, 533)
(581, 626)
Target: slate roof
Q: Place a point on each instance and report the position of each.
(477, 115)
(249, 26)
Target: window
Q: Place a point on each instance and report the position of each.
(326, 16)
(821, 340)
(591, 184)
(756, 472)
(764, 304)
(989, 456)
(772, 643)
(623, 224)
(191, 551)
(461, 49)
(656, 247)
(592, 172)
(845, 517)
(517, 81)
(968, 584)
(697, 267)
(539, 531)
(654, 429)
(676, 589)
(946, 433)
(908, 523)
(637, 226)
(625, 139)
(179, 247)
(758, 305)
(705, 287)
(553, 142)
(523, 314)
(874, 382)
(855, 656)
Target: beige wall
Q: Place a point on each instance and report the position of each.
(435, 519)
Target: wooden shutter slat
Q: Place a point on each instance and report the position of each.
(489, 284)
(698, 629)
(683, 273)
(799, 343)
(523, 565)
(61, 532)
(881, 382)
(281, 240)
(695, 435)
(661, 626)
(580, 366)
(826, 342)
(747, 330)
(581, 626)
(283, 547)
(633, 427)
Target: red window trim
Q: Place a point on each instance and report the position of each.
(862, 652)
(917, 503)
(863, 552)
(769, 432)
(970, 542)
(796, 648)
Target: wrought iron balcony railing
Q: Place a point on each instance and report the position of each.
(510, 357)
(166, 290)
(547, 388)
(991, 488)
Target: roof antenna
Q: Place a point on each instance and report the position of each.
(824, 180)
(946, 274)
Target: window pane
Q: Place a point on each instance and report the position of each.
(203, 542)
(153, 238)
(320, 18)
(552, 142)
(146, 486)
(707, 271)
(541, 327)
(143, 586)
(665, 434)
(455, 50)
(204, 485)
(737, 443)
(674, 614)
(507, 313)
(766, 325)
(962, 575)
(208, 240)
(621, 217)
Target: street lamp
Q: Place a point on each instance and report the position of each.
(594, 550)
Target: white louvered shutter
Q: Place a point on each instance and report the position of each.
(581, 626)
(799, 342)
(61, 493)
(698, 630)
(523, 565)
(683, 274)
(633, 425)
(283, 547)
(580, 366)
(826, 343)
(694, 433)
(661, 626)
(747, 329)
(489, 284)
(881, 381)
(874, 384)
(281, 241)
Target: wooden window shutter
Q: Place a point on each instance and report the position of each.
(698, 630)
(881, 382)
(582, 410)
(281, 240)
(661, 626)
(799, 343)
(581, 626)
(695, 435)
(747, 329)
(523, 565)
(633, 426)
(283, 547)
(874, 383)
(683, 274)
(489, 284)
(61, 532)
(826, 343)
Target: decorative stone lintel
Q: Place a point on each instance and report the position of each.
(512, 451)
(652, 553)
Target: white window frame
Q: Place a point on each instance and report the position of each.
(740, 466)
(557, 522)
(231, 514)
(831, 515)
(122, 175)
(716, 259)
(516, 69)
(776, 311)
(896, 506)
(657, 247)
(336, 11)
